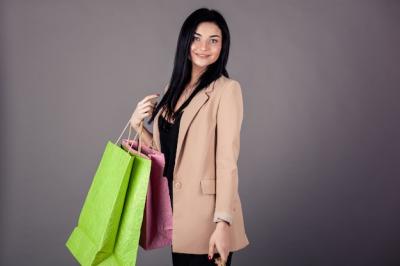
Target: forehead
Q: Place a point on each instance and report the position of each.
(207, 29)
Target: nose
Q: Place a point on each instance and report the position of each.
(204, 46)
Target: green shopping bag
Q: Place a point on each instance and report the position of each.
(109, 224)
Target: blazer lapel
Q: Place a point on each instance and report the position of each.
(189, 112)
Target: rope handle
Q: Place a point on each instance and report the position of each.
(140, 133)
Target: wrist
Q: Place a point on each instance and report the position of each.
(135, 127)
(222, 223)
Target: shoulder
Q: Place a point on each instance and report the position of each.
(221, 84)
(228, 86)
(226, 83)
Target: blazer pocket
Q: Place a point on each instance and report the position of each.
(207, 186)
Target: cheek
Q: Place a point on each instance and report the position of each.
(216, 52)
(192, 48)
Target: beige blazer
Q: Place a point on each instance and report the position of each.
(205, 185)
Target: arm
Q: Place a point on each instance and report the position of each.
(229, 121)
(146, 136)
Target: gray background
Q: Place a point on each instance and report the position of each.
(320, 157)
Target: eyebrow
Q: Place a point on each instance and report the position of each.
(210, 35)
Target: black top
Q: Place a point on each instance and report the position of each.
(169, 139)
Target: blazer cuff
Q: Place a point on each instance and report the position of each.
(223, 216)
(221, 220)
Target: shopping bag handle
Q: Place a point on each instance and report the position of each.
(140, 133)
(152, 145)
(140, 137)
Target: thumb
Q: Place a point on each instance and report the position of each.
(211, 249)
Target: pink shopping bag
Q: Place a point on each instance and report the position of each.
(156, 230)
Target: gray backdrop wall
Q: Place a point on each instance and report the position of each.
(319, 166)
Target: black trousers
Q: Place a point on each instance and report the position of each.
(184, 259)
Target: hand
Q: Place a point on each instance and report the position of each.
(220, 239)
(218, 261)
(143, 109)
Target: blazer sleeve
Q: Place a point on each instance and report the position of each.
(229, 122)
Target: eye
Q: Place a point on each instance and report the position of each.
(196, 38)
(212, 40)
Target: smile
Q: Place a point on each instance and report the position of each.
(202, 56)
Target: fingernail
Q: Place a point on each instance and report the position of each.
(209, 257)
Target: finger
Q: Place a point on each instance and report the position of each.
(211, 250)
(223, 258)
(142, 111)
(147, 109)
(144, 115)
(154, 100)
(223, 254)
(150, 97)
(220, 262)
(148, 104)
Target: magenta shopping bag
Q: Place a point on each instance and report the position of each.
(156, 231)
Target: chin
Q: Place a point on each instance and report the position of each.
(201, 64)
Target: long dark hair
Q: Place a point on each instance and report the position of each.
(181, 74)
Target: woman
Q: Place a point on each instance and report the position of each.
(197, 126)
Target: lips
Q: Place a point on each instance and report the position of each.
(202, 55)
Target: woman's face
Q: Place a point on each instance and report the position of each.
(206, 45)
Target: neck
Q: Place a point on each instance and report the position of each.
(196, 73)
